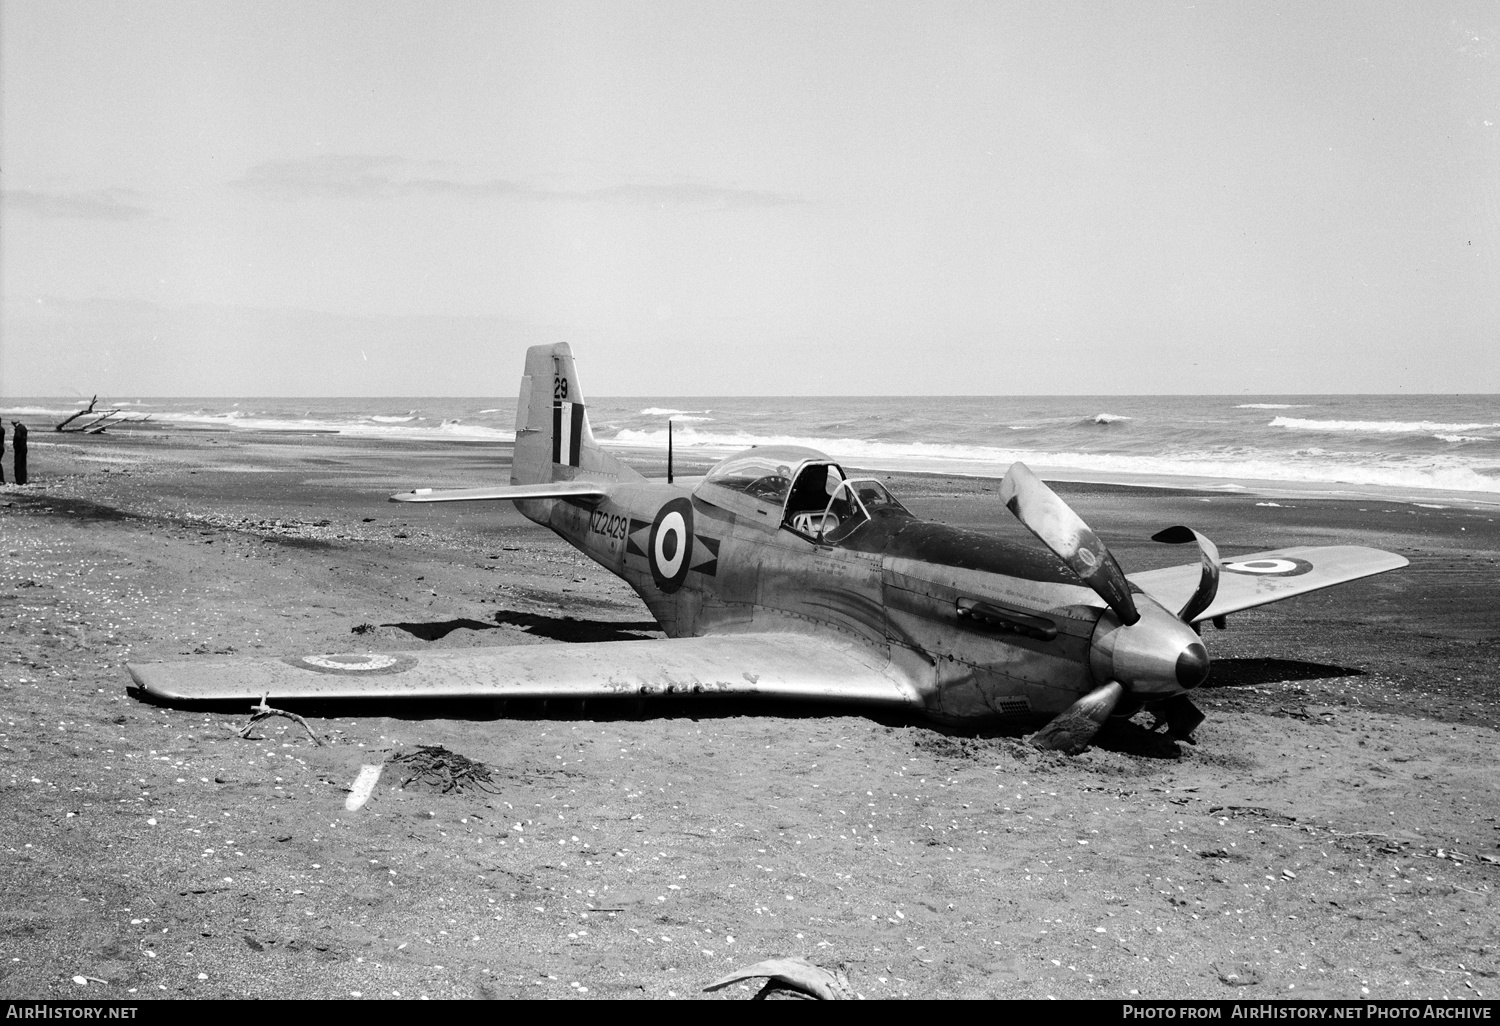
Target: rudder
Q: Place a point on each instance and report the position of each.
(553, 439)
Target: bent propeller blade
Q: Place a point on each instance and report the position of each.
(1071, 730)
(1064, 532)
(1208, 583)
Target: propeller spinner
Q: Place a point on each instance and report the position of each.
(1137, 649)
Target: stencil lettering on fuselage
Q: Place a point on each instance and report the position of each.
(613, 526)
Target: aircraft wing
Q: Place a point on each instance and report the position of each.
(796, 666)
(545, 490)
(1262, 577)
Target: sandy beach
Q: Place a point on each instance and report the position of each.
(1333, 833)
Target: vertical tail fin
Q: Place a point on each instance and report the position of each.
(553, 438)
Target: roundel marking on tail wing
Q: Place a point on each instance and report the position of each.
(670, 547)
(363, 664)
(1280, 567)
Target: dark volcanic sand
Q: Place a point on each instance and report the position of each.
(1333, 833)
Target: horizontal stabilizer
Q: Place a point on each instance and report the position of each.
(789, 666)
(544, 490)
(1262, 577)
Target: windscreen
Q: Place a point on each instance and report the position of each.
(763, 476)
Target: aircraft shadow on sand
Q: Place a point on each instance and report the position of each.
(556, 628)
(435, 630)
(568, 628)
(1238, 673)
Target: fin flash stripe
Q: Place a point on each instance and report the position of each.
(567, 432)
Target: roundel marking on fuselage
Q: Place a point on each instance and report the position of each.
(670, 547)
(1280, 567)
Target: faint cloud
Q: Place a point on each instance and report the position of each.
(358, 177)
(368, 177)
(99, 205)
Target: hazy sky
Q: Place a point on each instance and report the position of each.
(396, 198)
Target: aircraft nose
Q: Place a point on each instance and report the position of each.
(1156, 657)
(1192, 666)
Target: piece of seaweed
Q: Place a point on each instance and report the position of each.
(436, 766)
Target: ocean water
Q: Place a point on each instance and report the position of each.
(1395, 445)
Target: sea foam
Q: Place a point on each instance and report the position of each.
(1313, 467)
(1386, 427)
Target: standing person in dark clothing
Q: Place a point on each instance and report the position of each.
(20, 449)
(2, 453)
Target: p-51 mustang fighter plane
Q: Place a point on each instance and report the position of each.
(780, 575)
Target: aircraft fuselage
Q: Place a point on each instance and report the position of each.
(978, 626)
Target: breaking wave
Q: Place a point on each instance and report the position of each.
(1370, 444)
(37, 411)
(1386, 427)
(1308, 466)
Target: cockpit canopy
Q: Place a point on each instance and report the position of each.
(796, 488)
(764, 472)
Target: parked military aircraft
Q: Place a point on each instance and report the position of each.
(780, 575)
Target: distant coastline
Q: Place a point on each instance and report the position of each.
(1437, 449)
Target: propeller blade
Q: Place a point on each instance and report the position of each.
(1180, 715)
(794, 974)
(1208, 584)
(1071, 730)
(1061, 530)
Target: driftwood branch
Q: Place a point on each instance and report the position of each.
(107, 418)
(100, 424)
(80, 413)
(263, 711)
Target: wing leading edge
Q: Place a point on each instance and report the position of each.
(789, 666)
(1254, 580)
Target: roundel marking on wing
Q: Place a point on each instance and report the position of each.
(670, 547)
(1280, 567)
(365, 664)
